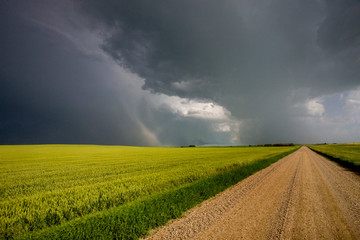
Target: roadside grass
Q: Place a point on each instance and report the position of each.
(136, 219)
(347, 155)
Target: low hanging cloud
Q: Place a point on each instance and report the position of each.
(352, 106)
(248, 56)
(183, 120)
(56, 85)
(179, 72)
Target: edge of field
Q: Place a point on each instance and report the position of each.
(136, 219)
(341, 161)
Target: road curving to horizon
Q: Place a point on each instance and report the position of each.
(302, 196)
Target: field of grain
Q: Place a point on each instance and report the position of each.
(49, 185)
(302, 196)
(347, 155)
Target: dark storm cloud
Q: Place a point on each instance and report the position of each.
(262, 60)
(237, 42)
(257, 58)
(340, 29)
(339, 38)
(51, 92)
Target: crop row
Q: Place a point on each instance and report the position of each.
(135, 219)
(46, 185)
(347, 155)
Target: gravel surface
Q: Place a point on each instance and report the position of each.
(302, 196)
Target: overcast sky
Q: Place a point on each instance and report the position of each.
(170, 73)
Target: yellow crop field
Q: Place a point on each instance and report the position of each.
(47, 185)
(347, 154)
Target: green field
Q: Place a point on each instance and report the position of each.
(45, 189)
(347, 155)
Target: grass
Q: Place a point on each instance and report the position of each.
(347, 155)
(64, 191)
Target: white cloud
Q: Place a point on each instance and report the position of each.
(310, 108)
(193, 108)
(232, 127)
(352, 105)
(218, 117)
(353, 100)
(315, 107)
(222, 127)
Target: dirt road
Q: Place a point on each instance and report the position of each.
(302, 196)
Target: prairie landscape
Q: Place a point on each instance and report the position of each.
(302, 196)
(122, 192)
(97, 98)
(49, 190)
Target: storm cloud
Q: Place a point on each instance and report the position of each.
(52, 91)
(203, 72)
(256, 58)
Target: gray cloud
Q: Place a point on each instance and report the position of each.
(258, 59)
(53, 92)
(235, 42)
(267, 62)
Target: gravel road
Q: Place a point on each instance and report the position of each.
(302, 196)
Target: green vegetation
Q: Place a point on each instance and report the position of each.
(347, 155)
(118, 192)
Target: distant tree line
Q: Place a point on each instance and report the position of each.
(274, 145)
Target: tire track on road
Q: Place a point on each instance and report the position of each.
(301, 196)
(287, 199)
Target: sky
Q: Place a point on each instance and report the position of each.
(171, 73)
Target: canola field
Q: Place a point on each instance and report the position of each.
(347, 155)
(44, 186)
